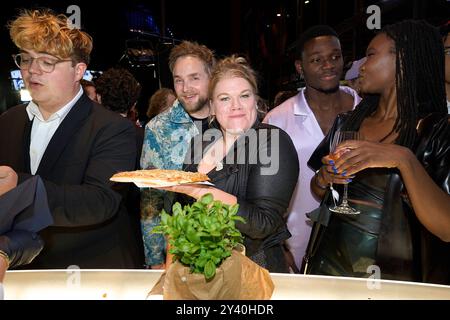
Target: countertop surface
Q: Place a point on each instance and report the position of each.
(135, 284)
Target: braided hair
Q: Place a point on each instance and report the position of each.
(420, 84)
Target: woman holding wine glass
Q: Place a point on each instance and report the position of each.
(399, 173)
(339, 137)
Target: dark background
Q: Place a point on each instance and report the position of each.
(251, 28)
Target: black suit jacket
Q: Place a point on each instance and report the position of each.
(92, 227)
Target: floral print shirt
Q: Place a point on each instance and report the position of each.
(166, 141)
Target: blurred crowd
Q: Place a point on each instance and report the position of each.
(284, 167)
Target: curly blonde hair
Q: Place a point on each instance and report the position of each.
(44, 31)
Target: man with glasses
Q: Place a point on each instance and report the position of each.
(73, 144)
(46, 63)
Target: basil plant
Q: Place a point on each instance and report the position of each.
(203, 234)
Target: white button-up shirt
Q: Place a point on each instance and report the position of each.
(296, 118)
(42, 130)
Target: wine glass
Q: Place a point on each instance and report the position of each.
(339, 137)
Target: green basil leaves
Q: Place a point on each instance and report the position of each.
(203, 234)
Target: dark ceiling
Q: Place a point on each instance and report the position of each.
(262, 30)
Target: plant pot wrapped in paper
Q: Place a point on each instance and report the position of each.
(202, 239)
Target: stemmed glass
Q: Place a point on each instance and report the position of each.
(339, 137)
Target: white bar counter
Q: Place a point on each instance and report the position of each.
(135, 284)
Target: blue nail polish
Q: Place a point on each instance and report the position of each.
(331, 162)
(344, 173)
(349, 180)
(335, 170)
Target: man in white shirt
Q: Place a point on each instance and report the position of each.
(75, 146)
(308, 116)
(44, 129)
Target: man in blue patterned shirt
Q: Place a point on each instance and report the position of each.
(167, 136)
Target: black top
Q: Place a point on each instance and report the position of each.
(262, 174)
(204, 123)
(386, 233)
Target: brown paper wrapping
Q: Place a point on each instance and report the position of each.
(237, 278)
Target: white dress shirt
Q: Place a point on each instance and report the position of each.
(42, 130)
(296, 118)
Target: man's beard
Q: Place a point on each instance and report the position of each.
(196, 107)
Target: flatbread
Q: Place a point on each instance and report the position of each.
(159, 177)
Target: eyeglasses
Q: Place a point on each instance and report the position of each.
(46, 64)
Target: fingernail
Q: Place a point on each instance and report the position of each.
(335, 170)
(331, 162)
(349, 180)
(344, 173)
